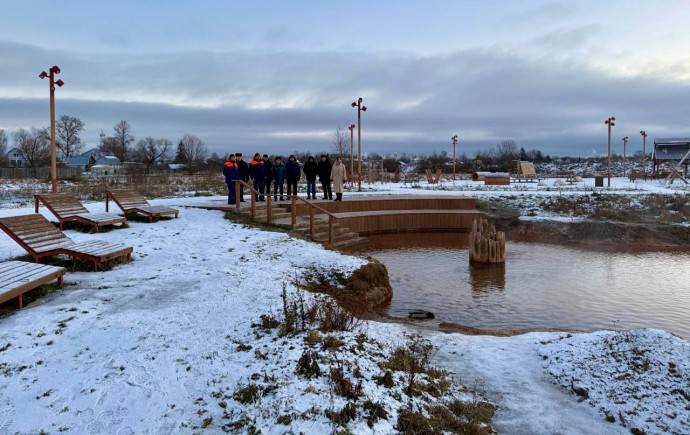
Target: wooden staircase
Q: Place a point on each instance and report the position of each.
(342, 237)
(281, 217)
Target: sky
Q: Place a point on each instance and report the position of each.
(274, 77)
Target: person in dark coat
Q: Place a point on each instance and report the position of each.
(243, 168)
(232, 173)
(310, 170)
(324, 171)
(278, 171)
(268, 179)
(257, 172)
(292, 175)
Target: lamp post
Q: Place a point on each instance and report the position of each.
(610, 123)
(625, 142)
(352, 153)
(454, 140)
(53, 152)
(644, 152)
(360, 108)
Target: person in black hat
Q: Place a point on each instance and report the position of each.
(244, 173)
(324, 170)
(278, 178)
(292, 175)
(310, 170)
(268, 177)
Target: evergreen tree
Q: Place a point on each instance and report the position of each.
(181, 155)
(523, 154)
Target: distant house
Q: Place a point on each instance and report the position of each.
(17, 158)
(90, 158)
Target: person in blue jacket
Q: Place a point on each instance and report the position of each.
(278, 178)
(257, 172)
(292, 174)
(310, 171)
(232, 173)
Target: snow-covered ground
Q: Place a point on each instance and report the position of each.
(160, 344)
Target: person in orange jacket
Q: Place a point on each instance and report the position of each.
(232, 173)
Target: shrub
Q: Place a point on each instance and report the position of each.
(308, 365)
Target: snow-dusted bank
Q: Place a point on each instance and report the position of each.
(163, 344)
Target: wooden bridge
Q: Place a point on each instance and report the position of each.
(342, 224)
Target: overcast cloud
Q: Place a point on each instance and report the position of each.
(545, 74)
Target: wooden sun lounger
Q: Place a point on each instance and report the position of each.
(131, 202)
(526, 171)
(18, 277)
(41, 239)
(68, 208)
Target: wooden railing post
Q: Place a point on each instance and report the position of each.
(253, 203)
(238, 186)
(330, 230)
(311, 221)
(268, 209)
(35, 207)
(106, 201)
(294, 210)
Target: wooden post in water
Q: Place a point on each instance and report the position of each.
(486, 244)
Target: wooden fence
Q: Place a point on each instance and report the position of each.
(40, 173)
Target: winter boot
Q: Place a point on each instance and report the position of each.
(339, 197)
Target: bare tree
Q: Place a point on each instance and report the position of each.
(118, 145)
(35, 145)
(3, 147)
(505, 153)
(150, 151)
(341, 143)
(195, 150)
(67, 139)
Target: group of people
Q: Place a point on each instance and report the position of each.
(265, 173)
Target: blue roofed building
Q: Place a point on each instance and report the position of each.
(90, 158)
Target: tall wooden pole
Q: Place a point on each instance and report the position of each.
(352, 153)
(454, 139)
(625, 142)
(360, 109)
(610, 124)
(644, 152)
(53, 148)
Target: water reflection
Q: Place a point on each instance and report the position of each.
(487, 277)
(541, 286)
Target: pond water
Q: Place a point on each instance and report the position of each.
(539, 287)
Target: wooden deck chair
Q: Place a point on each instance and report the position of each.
(68, 208)
(527, 171)
(18, 277)
(41, 239)
(132, 202)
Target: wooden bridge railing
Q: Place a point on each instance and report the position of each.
(312, 208)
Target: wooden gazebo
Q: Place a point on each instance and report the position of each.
(675, 151)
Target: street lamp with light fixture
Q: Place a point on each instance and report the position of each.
(360, 108)
(643, 133)
(53, 151)
(454, 140)
(352, 153)
(610, 123)
(625, 142)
